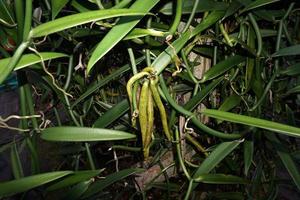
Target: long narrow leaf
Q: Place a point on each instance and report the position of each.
(79, 19)
(21, 185)
(216, 157)
(288, 51)
(83, 134)
(257, 4)
(30, 59)
(221, 179)
(252, 121)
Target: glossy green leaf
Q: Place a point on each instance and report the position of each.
(248, 155)
(288, 51)
(79, 19)
(252, 121)
(291, 70)
(77, 177)
(56, 6)
(101, 184)
(112, 114)
(83, 134)
(187, 7)
(222, 67)
(220, 179)
(216, 157)
(257, 4)
(23, 184)
(120, 30)
(30, 59)
(287, 159)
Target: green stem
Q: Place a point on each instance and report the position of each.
(132, 60)
(188, 23)
(30, 107)
(179, 156)
(225, 34)
(19, 5)
(70, 68)
(189, 190)
(177, 18)
(28, 18)
(90, 158)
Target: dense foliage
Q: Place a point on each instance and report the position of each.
(197, 97)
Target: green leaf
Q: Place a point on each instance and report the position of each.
(220, 179)
(79, 19)
(101, 184)
(23, 184)
(286, 158)
(56, 6)
(288, 51)
(119, 31)
(187, 7)
(222, 67)
(252, 121)
(112, 114)
(257, 4)
(248, 155)
(77, 177)
(30, 59)
(291, 70)
(83, 134)
(216, 157)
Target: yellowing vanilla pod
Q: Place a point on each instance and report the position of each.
(150, 124)
(161, 108)
(143, 115)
